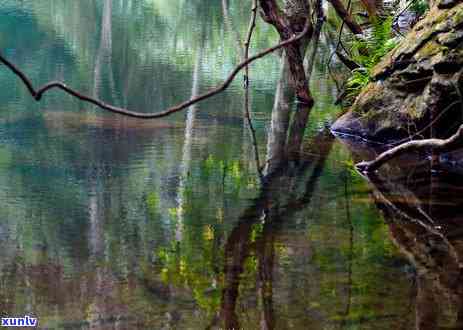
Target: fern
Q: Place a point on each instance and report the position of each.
(360, 78)
(367, 52)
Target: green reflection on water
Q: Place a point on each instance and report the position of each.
(108, 221)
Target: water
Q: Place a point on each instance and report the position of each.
(115, 223)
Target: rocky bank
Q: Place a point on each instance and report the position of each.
(416, 90)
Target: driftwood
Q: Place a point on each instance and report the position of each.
(437, 146)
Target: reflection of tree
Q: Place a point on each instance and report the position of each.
(286, 128)
(188, 144)
(104, 53)
(434, 245)
(350, 252)
(232, 28)
(273, 212)
(276, 142)
(283, 145)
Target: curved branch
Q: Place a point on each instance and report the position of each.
(437, 145)
(37, 94)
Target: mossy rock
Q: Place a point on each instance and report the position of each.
(415, 82)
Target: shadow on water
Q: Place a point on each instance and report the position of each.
(424, 212)
(424, 217)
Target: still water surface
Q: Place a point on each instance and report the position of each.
(115, 223)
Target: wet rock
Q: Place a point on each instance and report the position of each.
(416, 84)
(447, 3)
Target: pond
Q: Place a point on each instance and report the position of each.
(109, 222)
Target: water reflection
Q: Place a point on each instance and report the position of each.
(424, 216)
(269, 211)
(109, 222)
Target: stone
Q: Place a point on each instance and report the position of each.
(417, 84)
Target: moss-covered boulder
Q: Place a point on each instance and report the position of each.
(416, 89)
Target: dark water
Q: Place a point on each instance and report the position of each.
(114, 223)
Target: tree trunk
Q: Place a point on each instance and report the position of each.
(288, 24)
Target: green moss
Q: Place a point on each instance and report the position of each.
(367, 95)
(440, 18)
(457, 18)
(412, 111)
(430, 49)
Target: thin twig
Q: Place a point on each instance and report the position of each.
(37, 94)
(316, 37)
(339, 42)
(252, 25)
(247, 43)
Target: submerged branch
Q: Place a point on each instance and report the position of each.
(37, 94)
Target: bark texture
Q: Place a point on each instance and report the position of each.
(290, 22)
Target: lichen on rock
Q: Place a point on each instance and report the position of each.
(417, 84)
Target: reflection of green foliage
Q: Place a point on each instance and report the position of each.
(368, 52)
(192, 271)
(152, 202)
(256, 231)
(232, 172)
(140, 216)
(351, 252)
(196, 261)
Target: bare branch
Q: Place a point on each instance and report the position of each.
(438, 146)
(252, 25)
(348, 62)
(344, 14)
(318, 8)
(247, 43)
(37, 94)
